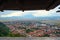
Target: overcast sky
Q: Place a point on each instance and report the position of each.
(36, 13)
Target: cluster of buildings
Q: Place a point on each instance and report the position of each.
(43, 29)
(38, 29)
(16, 27)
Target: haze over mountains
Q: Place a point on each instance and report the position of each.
(29, 17)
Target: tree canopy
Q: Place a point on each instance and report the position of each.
(4, 30)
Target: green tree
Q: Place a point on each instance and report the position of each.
(16, 35)
(28, 30)
(46, 35)
(4, 30)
